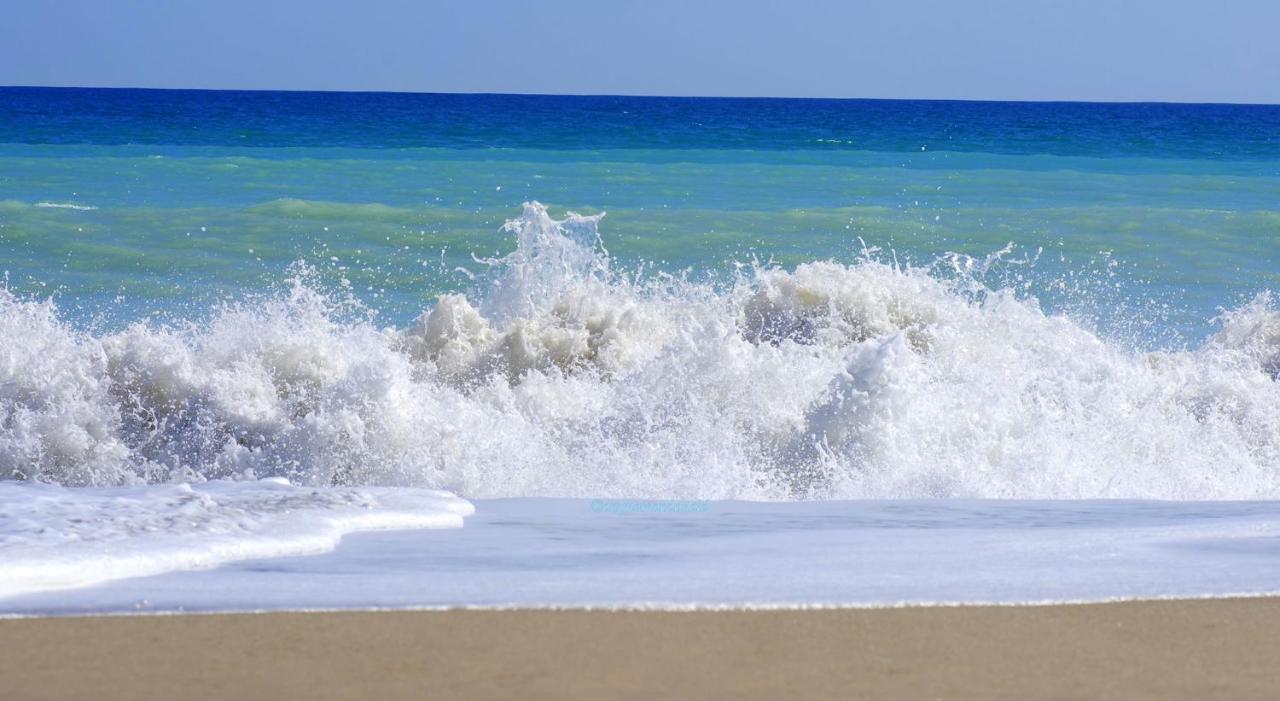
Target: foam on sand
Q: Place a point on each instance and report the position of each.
(54, 537)
(577, 553)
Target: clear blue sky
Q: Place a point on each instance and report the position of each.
(1176, 50)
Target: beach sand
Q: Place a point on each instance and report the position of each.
(1226, 648)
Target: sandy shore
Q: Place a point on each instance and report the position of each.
(1186, 649)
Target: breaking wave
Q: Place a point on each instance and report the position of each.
(562, 376)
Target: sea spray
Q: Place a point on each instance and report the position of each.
(558, 375)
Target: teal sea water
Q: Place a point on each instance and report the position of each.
(787, 299)
(124, 203)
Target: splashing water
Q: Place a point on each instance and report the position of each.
(561, 376)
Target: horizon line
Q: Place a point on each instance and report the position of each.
(487, 93)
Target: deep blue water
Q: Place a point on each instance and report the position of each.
(417, 120)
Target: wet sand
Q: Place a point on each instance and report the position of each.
(1169, 649)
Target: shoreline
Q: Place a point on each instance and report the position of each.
(642, 607)
(1189, 648)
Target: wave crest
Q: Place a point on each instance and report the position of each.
(564, 377)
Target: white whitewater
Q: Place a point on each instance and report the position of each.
(573, 553)
(54, 538)
(560, 376)
(280, 425)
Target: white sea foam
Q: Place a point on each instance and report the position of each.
(54, 537)
(66, 205)
(623, 554)
(560, 376)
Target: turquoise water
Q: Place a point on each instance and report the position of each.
(1143, 220)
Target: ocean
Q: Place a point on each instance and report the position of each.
(863, 340)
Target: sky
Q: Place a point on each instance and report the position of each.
(1133, 50)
